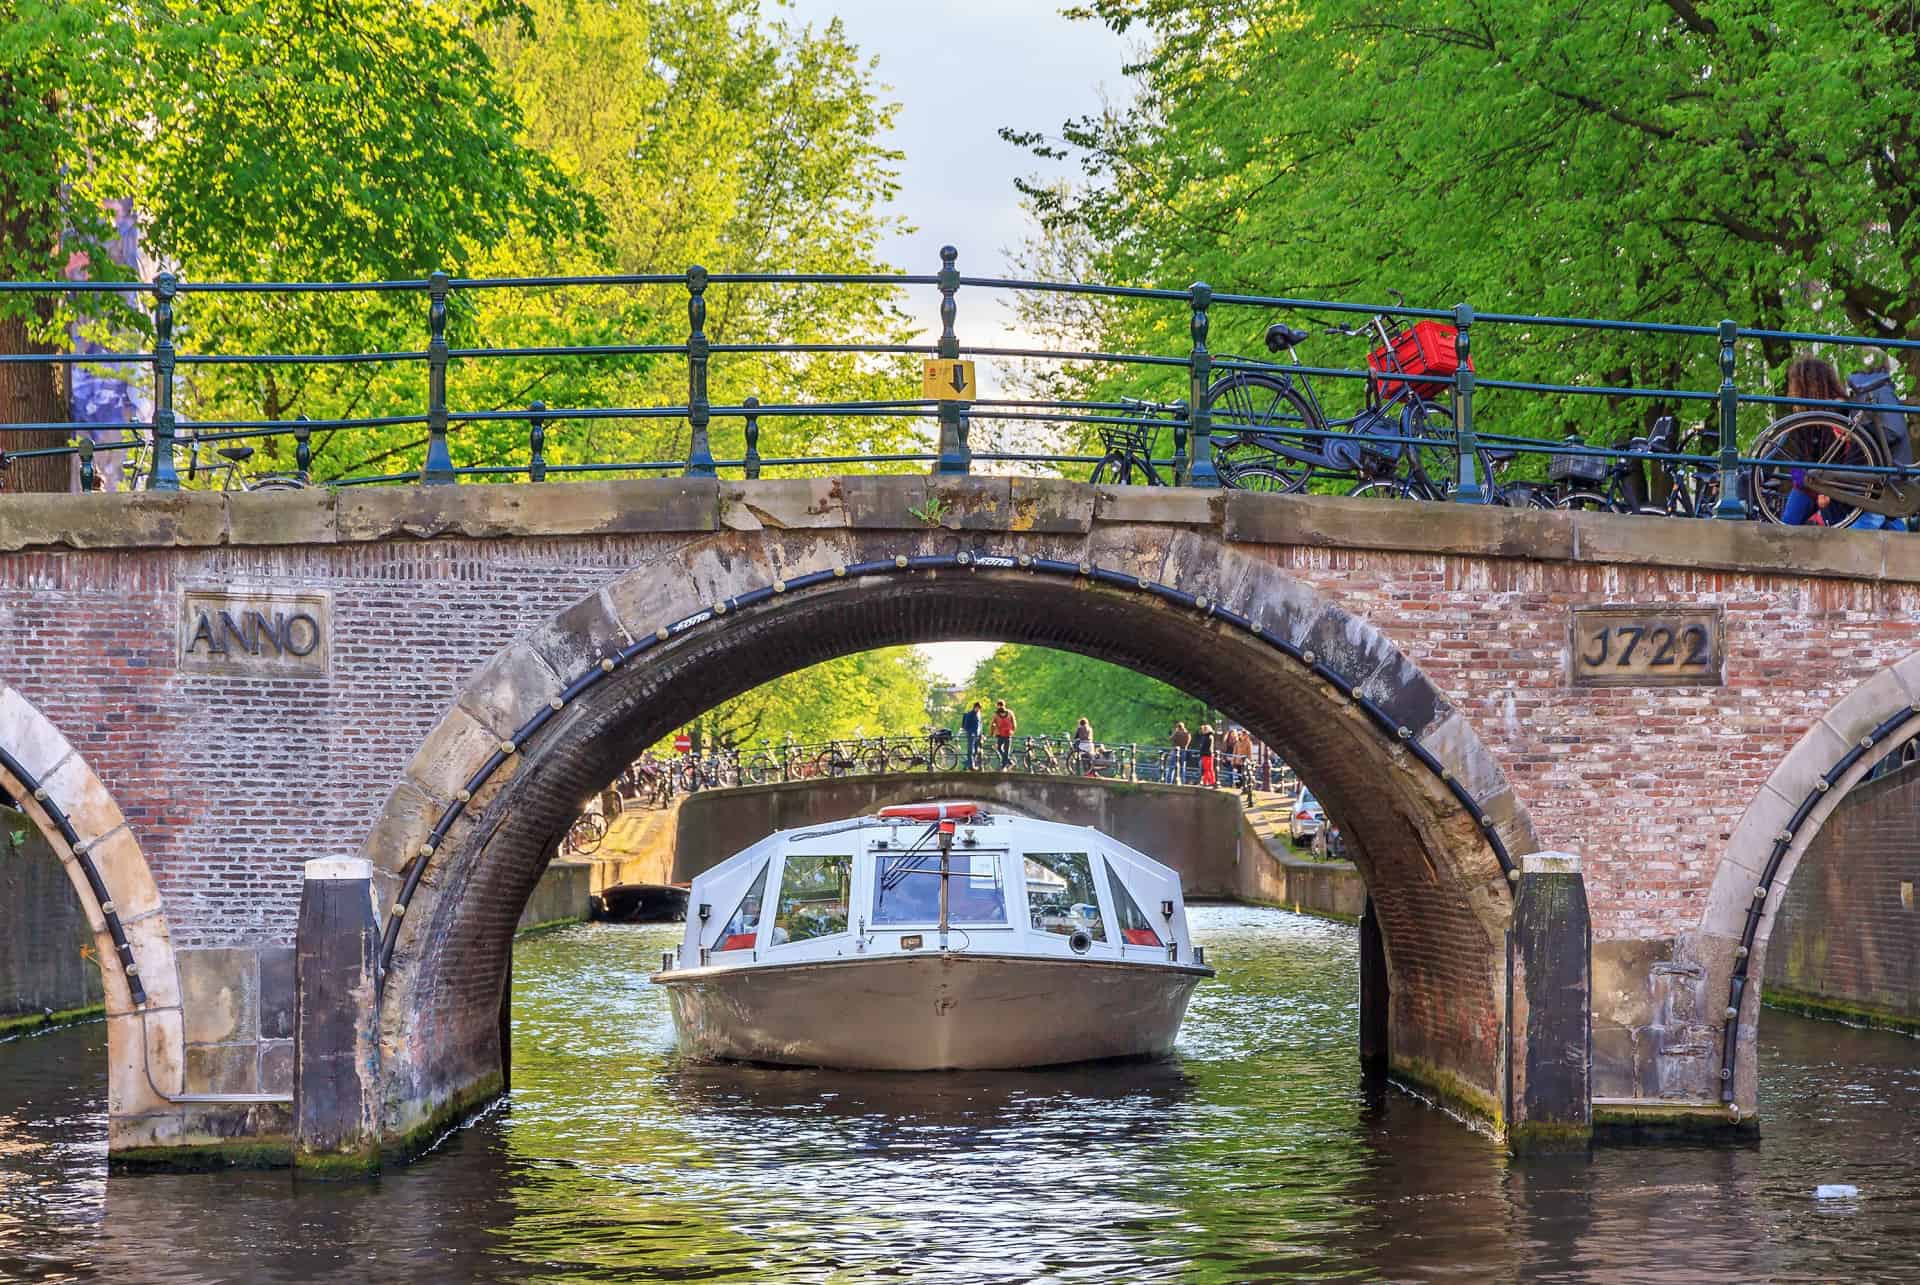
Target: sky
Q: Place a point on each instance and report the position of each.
(960, 70)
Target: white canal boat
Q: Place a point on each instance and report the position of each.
(933, 936)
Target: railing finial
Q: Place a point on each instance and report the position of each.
(437, 470)
(699, 351)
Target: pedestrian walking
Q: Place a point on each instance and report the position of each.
(1004, 725)
(1176, 769)
(1203, 745)
(970, 728)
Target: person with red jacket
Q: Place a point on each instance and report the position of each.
(1004, 724)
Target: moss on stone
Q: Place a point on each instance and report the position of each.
(338, 1166)
(273, 1152)
(1671, 1122)
(1452, 1092)
(60, 1017)
(405, 1146)
(549, 926)
(1826, 1008)
(1538, 1137)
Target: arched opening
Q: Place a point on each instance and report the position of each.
(80, 825)
(1867, 730)
(1432, 821)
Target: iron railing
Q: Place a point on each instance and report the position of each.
(1195, 420)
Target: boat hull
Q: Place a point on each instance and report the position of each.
(931, 1011)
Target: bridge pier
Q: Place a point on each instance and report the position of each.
(336, 1044)
(1375, 991)
(1549, 1007)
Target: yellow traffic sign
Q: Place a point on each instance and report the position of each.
(947, 380)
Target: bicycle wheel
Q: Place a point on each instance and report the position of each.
(901, 758)
(1584, 502)
(874, 759)
(946, 758)
(1382, 488)
(1813, 439)
(1246, 406)
(586, 832)
(1434, 464)
(1115, 470)
(760, 769)
(1257, 473)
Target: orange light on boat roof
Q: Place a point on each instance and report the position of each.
(932, 811)
(946, 827)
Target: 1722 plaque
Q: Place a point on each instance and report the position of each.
(1647, 647)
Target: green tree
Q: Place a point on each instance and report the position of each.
(707, 134)
(1049, 691)
(870, 693)
(1677, 161)
(258, 140)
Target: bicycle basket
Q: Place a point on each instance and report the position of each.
(1127, 439)
(1577, 468)
(1424, 348)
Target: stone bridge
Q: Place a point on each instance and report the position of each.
(202, 692)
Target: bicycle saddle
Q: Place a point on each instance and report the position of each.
(235, 453)
(1500, 456)
(1281, 335)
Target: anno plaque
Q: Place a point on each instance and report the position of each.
(1649, 646)
(260, 632)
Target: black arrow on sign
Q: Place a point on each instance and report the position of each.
(959, 378)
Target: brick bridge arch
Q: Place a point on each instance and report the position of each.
(76, 813)
(462, 840)
(1837, 752)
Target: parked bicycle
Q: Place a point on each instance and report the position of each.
(221, 461)
(1272, 432)
(935, 753)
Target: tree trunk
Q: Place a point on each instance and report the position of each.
(31, 392)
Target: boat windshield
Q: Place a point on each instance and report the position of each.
(1060, 895)
(906, 889)
(814, 891)
(744, 927)
(1135, 928)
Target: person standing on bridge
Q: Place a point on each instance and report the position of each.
(1203, 745)
(1004, 724)
(1176, 772)
(970, 728)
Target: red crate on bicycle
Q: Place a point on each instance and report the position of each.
(1424, 348)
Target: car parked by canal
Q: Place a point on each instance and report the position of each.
(1308, 816)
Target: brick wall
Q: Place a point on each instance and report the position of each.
(1846, 940)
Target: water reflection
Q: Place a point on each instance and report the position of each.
(1259, 1153)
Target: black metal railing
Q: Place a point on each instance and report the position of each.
(1196, 418)
(770, 762)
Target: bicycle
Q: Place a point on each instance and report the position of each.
(586, 833)
(1826, 446)
(1038, 758)
(1273, 434)
(140, 468)
(939, 754)
(1128, 449)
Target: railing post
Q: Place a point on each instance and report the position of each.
(161, 476)
(1180, 443)
(1199, 376)
(1730, 504)
(536, 442)
(303, 449)
(699, 450)
(1466, 488)
(438, 469)
(955, 456)
(87, 479)
(750, 462)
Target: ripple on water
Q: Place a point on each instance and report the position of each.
(1257, 1153)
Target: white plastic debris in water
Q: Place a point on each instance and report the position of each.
(1835, 1191)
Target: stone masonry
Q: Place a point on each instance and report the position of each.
(449, 607)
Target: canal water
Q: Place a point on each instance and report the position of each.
(1257, 1154)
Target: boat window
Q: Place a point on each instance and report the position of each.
(1060, 896)
(906, 889)
(744, 927)
(1135, 928)
(813, 898)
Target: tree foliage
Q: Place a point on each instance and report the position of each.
(870, 693)
(1049, 691)
(1680, 161)
(384, 139)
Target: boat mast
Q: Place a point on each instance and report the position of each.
(946, 853)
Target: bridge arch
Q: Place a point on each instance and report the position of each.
(1840, 750)
(463, 838)
(76, 813)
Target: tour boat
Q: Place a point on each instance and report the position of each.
(933, 936)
